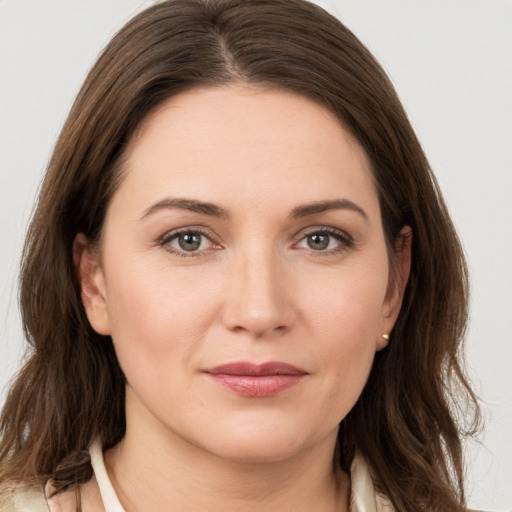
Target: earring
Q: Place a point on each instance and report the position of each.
(386, 337)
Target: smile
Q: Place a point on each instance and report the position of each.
(256, 380)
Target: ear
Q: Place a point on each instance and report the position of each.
(92, 283)
(398, 277)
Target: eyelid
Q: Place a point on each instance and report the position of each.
(167, 237)
(346, 241)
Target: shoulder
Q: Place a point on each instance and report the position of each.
(23, 499)
(364, 497)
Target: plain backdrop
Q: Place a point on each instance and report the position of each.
(451, 62)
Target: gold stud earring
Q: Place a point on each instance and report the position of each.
(386, 337)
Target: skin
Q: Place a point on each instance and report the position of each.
(259, 288)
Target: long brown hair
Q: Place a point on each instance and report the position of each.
(417, 405)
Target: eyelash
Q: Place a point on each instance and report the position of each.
(345, 240)
(166, 240)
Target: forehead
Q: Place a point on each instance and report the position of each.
(246, 145)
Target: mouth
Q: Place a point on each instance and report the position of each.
(256, 380)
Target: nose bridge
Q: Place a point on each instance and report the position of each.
(258, 300)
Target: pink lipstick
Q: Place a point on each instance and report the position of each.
(256, 380)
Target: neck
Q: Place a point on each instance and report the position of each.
(154, 469)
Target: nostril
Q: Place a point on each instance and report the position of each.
(258, 326)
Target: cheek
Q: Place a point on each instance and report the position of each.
(348, 303)
(158, 317)
(344, 320)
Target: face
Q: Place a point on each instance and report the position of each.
(242, 273)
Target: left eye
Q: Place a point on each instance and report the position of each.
(189, 241)
(320, 241)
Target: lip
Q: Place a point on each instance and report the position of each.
(256, 380)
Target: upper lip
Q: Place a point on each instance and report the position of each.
(255, 369)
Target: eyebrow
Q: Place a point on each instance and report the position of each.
(187, 204)
(214, 210)
(325, 206)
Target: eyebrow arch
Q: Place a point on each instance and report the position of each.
(187, 204)
(325, 206)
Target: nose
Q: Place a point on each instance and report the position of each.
(259, 297)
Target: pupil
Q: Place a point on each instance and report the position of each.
(318, 241)
(190, 241)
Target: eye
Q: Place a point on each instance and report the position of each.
(325, 240)
(189, 241)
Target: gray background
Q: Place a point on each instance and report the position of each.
(451, 61)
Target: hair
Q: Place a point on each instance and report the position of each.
(417, 405)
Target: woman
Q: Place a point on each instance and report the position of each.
(240, 271)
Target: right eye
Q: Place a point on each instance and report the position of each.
(187, 242)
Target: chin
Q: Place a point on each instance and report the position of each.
(258, 452)
(257, 444)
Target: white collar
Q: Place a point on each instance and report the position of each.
(108, 495)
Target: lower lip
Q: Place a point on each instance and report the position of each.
(257, 386)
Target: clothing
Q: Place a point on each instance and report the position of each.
(364, 498)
